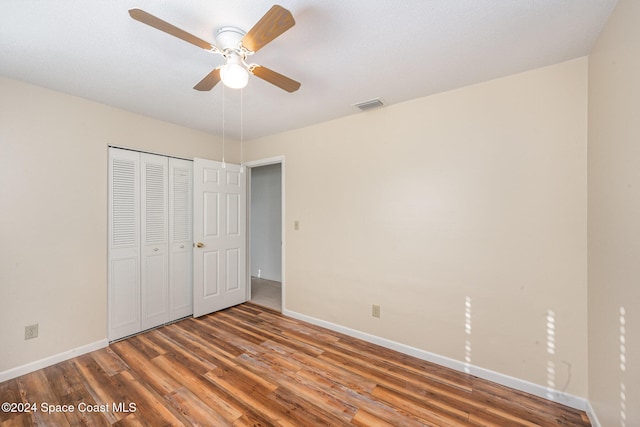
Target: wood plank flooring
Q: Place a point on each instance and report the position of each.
(251, 366)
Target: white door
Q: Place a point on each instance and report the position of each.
(124, 243)
(180, 239)
(154, 281)
(219, 279)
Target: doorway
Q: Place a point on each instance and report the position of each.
(265, 205)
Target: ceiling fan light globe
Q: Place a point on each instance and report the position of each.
(234, 76)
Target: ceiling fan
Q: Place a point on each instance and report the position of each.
(235, 46)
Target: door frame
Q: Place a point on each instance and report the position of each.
(248, 166)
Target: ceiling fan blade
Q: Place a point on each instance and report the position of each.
(277, 79)
(276, 21)
(157, 23)
(209, 81)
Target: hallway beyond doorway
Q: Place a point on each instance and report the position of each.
(267, 293)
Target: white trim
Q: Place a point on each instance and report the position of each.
(535, 389)
(595, 422)
(506, 380)
(254, 164)
(264, 162)
(52, 360)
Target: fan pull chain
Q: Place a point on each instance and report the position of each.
(224, 165)
(241, 130)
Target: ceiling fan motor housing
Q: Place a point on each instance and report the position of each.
(229, 38)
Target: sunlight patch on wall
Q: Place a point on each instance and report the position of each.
(467, 331)
(551, 351)
(623, 366)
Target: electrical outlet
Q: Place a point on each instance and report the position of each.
(375, 311)
(31, 331)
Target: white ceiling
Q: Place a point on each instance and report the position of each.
(342, 51)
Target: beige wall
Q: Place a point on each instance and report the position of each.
(53, 212)
(614, 218)
(479, 192)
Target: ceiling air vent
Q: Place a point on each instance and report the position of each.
(369, 105)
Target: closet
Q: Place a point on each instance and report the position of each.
(150, 241)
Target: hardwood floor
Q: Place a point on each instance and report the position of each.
(251, 366)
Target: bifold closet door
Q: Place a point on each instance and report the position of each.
(150, 241)
(180, 238)
(124, 243)
(154, 235)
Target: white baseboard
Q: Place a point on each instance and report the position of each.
(506, 380)
(592, 416)
(52, 360)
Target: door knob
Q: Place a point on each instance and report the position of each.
(200, 245)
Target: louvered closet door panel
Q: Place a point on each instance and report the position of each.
(154, 240)
(124, 243)
(180, 239)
